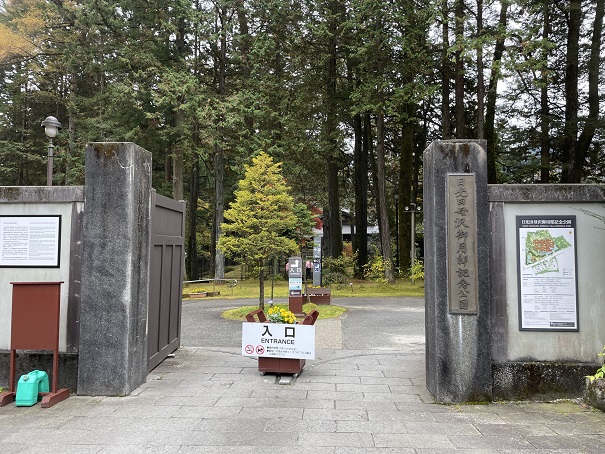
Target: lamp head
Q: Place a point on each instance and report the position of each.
(51, 126)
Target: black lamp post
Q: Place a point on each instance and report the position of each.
(51, 128)
(397, 231)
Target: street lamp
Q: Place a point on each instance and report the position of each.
(413, 208)
(51, 128)
(397, 230)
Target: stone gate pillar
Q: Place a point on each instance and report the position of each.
(456, 244)
(115, 269)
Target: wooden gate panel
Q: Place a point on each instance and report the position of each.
(165, 288)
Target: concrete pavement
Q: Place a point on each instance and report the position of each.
(370, 399)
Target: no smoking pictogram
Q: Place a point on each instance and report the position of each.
(260, 349)
(249, 349)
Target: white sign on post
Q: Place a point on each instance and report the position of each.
(278, 340)
(30, 241)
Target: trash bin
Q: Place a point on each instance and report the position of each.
(29, 386)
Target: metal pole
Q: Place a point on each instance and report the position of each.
(397, 232)
(49, 167)
(412, 245)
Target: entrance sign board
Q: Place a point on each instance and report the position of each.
(295, 267)
(30, 241)
(278, 340)
(547, 273)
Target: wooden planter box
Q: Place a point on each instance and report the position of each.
(319, 295)
(198, 295)
(280, 365)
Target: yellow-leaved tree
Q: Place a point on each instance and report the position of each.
(260, 219)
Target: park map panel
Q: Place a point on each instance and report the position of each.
(547, 273)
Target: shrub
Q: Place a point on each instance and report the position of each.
(374, 270)
(338, 270)
(600, 373)
(417, 270)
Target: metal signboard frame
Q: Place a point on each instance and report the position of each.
(547, 273)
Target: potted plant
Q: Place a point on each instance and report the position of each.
(276, 364)
(594, 391)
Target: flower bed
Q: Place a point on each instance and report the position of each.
(197, 292)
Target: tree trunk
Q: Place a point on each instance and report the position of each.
(446, 73)
(570, 134)
(369, 141)
(385, 234)
(261, 284)
(544, 106)
(334, 219)
(219, 157)
(594, 68)
(71, 149)
(178, 176)
(480, 79)
(219, 208)
(335, 244)
(490, 107)
(177, 167)
(459, 69)
(360, 157)
(194, 194)
(405, 194)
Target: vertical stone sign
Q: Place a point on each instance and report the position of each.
(462, 243)
(456, 271)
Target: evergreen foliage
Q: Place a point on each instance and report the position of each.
(259, 218)
(346, 93)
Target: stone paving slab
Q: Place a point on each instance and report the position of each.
(365, 393)
(215, 401)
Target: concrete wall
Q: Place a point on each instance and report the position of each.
(535, 362)
(67, 202)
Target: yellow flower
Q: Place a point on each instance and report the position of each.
(278, 314)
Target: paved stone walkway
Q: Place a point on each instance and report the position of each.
(213, 400)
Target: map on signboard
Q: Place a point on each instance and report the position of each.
(547, 273)
(541, 250)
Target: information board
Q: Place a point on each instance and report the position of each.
(295, 286)
(278, 340)
(30, 241)
(547, 273)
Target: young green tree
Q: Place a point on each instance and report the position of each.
(260, 218)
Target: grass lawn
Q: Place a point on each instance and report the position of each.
(325, 311)
(249, 289)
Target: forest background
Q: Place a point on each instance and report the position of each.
(346, 93)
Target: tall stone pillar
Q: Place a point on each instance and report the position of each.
(115, 269)
(457, 288)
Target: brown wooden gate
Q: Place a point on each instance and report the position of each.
(166, 279)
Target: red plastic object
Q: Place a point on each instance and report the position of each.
(35, 326)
